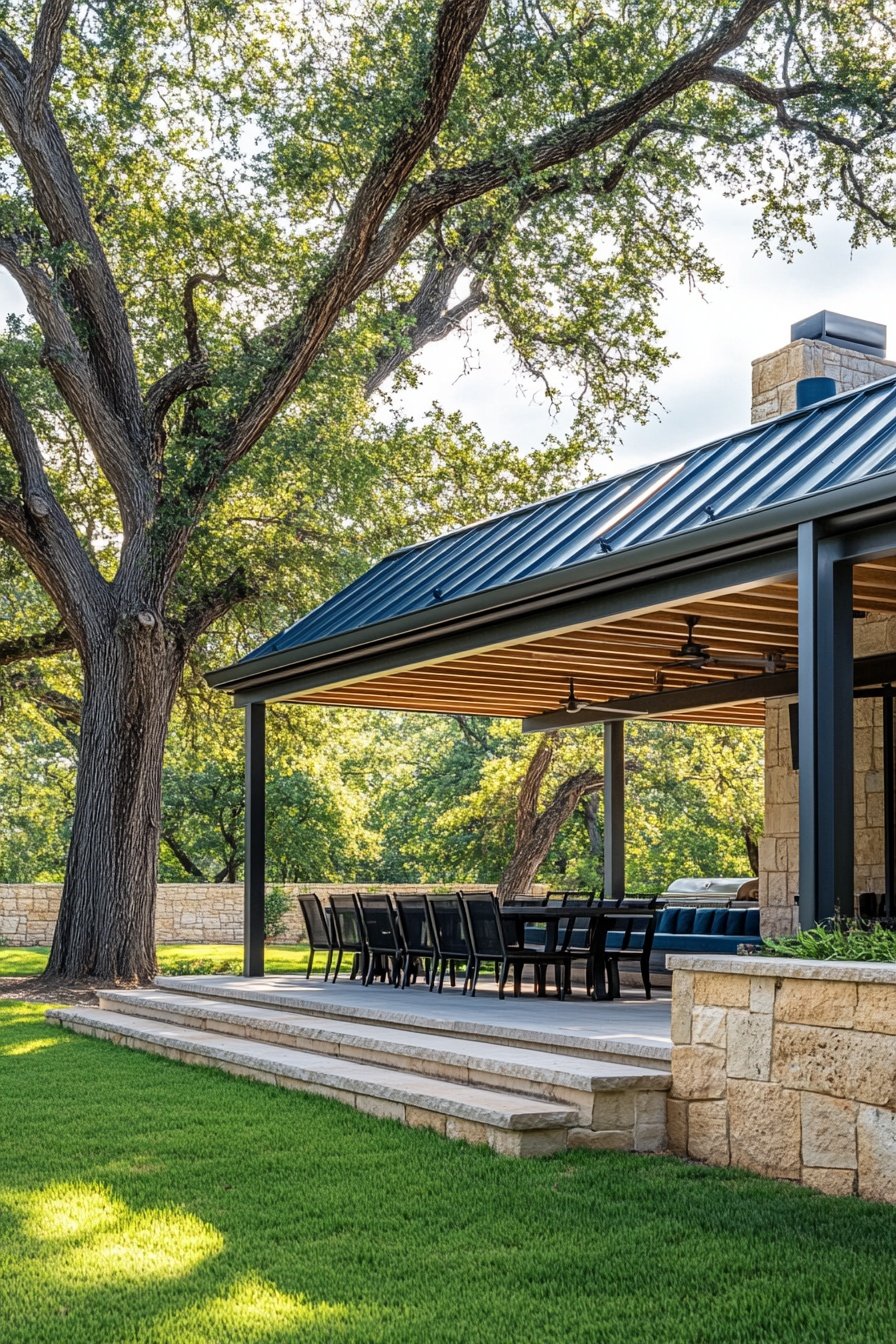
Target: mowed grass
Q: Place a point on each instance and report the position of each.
(279, 957)
(143, 1201)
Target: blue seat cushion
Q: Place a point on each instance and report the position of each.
(685, 921)
(719, 922)
(703, 920)
(737, 922)
(752, 924)
(668, 919)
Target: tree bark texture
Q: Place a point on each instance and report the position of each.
(536, 831)
(106, 924)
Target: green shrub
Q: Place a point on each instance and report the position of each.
(847, 941)
(276, 904)
(203, 966)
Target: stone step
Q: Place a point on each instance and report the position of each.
(441, 1015)
(570, 1079)
(511, 1124)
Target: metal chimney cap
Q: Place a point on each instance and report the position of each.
(850, 333)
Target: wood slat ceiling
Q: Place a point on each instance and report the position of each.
(612, 659)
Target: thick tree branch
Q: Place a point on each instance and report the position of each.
(27, 118)
(45, 57)
(40, 530)
(443, 190)
(72, 374)
(456, 28)
(211, 605)
(41, 644)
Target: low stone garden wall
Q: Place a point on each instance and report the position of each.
(787, 1068)
(189, 912)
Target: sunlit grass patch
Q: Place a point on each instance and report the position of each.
(279, 957)
(147, 1202)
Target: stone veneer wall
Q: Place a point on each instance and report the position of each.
(779, 874)
(185, 913)
(775, 376)
(788, 1069)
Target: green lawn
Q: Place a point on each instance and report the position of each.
(278, 957)
(143, 1200)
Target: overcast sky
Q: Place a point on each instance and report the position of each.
(706, 392)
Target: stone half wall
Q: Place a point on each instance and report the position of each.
(191, 912)
(786, 1068)
(779, 847)
(775, 376)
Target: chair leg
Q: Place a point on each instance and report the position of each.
(452, 974)
(442, 970)
(329, 962)
(645, 976)
(475, 968)
(502, 980)
(517, 978)
(338, 965)
(558, 978)
(310, 960)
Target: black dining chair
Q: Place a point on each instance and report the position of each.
(380, 930)
(446, 921)
(317, 930)
(418, 948)
(348, 933)
(635, 945)
(485, 933)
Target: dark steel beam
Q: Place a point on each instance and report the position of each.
(614, 809)
(734, 691)
(253, 892)
(826, 678)
(873, 671)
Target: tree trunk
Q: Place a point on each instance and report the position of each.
(536, 832)
(106, 924)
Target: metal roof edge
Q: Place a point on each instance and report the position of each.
(692, 544)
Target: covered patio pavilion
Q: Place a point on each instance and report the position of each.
(775, 538)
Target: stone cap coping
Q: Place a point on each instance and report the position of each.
(787, 968)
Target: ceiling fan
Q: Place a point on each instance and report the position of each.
(694, 654)
(573, 705)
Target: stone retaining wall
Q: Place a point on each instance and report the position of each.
(787, 1068)
(185, 913)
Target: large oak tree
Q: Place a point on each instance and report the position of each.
(233, 223)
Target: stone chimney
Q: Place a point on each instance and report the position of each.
(826, 345)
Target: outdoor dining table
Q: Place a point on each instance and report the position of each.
(601, 920)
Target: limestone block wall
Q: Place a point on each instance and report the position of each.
(775, 376)
(788, 1069)
(189, 912)
(779, 847)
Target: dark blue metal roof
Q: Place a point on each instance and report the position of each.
(833, 443)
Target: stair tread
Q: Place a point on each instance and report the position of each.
(457, 1018)
(491, 1107)
(571, 1071)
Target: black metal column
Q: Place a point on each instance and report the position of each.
(253, 899)
(614, 808)
(827, 824)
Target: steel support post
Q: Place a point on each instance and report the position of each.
(253, 899)
(827, 825)
(614, 809)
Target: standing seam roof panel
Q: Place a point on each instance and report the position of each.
(832, 443)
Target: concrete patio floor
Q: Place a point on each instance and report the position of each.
(630, 1026)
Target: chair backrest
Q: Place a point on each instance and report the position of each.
(378, 922)
(484, 930)
(446, 920)
(346, 925)
(564, 897)
(524, 898)
(315, 920)
(637, 933)
(413, 924)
